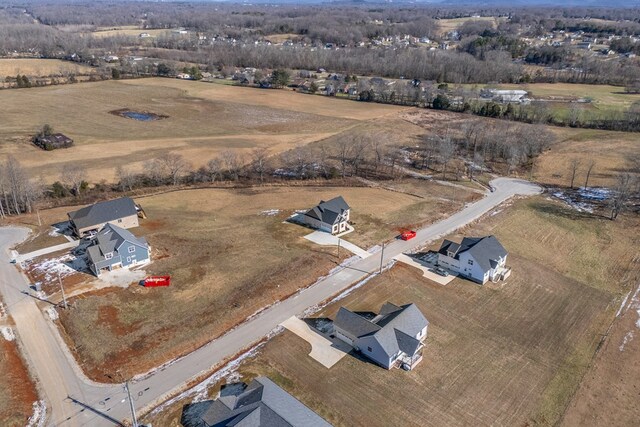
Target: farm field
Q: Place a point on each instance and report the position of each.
(204, 120)
(17, 390)
(452, 24)
(228, 251)
(511, 353)
(127, 30)
(40, 67)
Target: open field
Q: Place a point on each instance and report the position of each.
(204, 120)
(613, 152)
(41, 67)
(446, 25)
(17, 390)
(511, 353)
(228, 251)
(127, 30)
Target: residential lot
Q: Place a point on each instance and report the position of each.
(229, 253)
(17, 390)
(511, 353)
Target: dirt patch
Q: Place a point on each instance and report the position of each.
(142, 116)
(17, 390)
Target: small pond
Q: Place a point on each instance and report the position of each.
(142, 116)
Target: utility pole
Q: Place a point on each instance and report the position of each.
(133, 410)
(381, 257)
(38, 213)
(64, 298)
(338, 249)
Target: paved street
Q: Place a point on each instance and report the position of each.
(59, 376)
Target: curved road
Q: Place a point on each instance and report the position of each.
(74, 400)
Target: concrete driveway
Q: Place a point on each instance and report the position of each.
(326, 239)
(325, 350)
(45, 251)
(406, 259)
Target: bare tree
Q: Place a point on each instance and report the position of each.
(260, 158)
(214, 168)
(126, 178)
(621, 193)
(356, 157)
(174, 165)
(74, 175)
(446, 150)
(18, 192)
(590, 166)
(233, 163)
(574, 165)
(343, 155)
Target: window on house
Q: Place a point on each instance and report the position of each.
(108, 255)
(132, 249)
(470, 262)
(120, 220)
(369, 349)
(128, 259)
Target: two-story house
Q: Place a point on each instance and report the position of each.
(115, 247)
(476, 258)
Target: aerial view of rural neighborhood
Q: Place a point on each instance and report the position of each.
(315, 213)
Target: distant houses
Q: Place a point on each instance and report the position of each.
(393, 338)
(260, 404)
(114, 247)
(122, 212)
(331, 216)
(477, 258)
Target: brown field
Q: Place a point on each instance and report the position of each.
(512, 353)
(224, 256)
(204, 120)
(17, 390)
(40, 68)
(446, 25)
(612, 151)
(127, 31)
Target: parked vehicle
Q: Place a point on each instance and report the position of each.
(408, 235)
(440, 271)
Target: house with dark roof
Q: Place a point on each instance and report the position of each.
(122, 212)
(476, 258)
(114, 247)
(393, 338)
(52, 141)
(260, 404)
(331, 216)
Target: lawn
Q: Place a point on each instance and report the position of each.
(203, 120)
(229, 254)
(511, 353)
(17, 390)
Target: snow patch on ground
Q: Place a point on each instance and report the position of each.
(52, 313)
(634, 304)
(39, 417)
(64, 266)
(579, 206)
(270, 212)
(594, 193)
(54, 232)
(627, 338)
(3, 311)
(584, 199)
(7, 333)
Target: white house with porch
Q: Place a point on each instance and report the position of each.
(476, 258)
(331, 216)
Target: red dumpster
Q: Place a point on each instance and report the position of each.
(408, 235)
(154, 281)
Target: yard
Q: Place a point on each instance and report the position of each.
(17, 390)
(230, 254)
(511, 353)
(203, 121)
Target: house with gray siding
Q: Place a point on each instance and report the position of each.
(331, 216)
(260, 404)
(122, 212)
(115, 247)
(393, 338)
(476, 258)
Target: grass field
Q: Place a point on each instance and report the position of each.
(225, 255)
(130, 30)
(41, 67)
(17, 390)
(511, 353)
(204, 120)
(447, 25)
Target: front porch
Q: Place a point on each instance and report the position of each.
(407, 362)
(501, 273)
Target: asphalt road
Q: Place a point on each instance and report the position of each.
(73, 400)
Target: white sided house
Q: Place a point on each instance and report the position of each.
(331, 216)
(393, 338)
(476, 258)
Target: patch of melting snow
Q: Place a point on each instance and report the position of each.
(39, 417)
(579, 206)
(496, 212)
(65, 266)
(7, 333)
(52, 313)
(627, 338)
(594, 193)
(270, 212)
(3, 311)
(54, 232)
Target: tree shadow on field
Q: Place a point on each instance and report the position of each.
(557, 209)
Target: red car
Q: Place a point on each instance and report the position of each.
(408, 235)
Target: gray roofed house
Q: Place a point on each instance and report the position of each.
(477, 258)
(122, 212)
(394, 337)
(260, 404)
(115, 247)
(331, 216)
